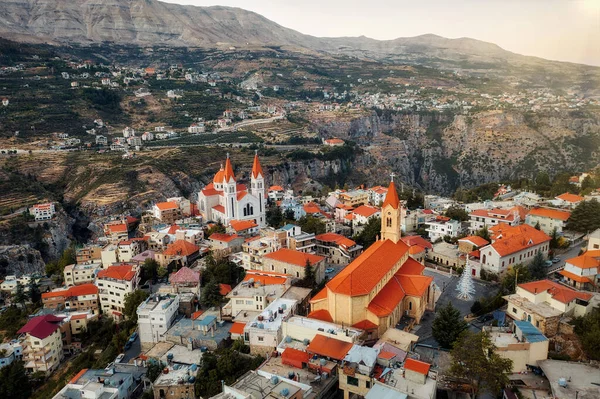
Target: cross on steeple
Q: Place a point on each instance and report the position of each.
(255, 152)
(392, 176)
(228, 155)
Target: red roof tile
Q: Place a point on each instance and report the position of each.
(417, 366)
(557, 291)
(392, 197)
(575, 277)
(365, 325)
(256, 168)
(265, 278)
(588, 260)
(321, 314)
(294, 355)
(275, 188)
(223, 237)
(366, 211)
(293, 257)
(165, 206)
(475, 240)
(224, 289)
(117, 228)
(551, 213)
(197, 314)
(77, 290)
(319, 296)
(237, 328)
(228, 172)
(117, 273)
(41, 326)
(78, 376)
(416, 240)
(511, 239)
(386, 355)
(219, 208)
(241, 225)
(329, 347)
(184, 275)
(572, 198)
(181, 248)
(336, 238)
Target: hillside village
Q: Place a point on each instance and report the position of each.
(313, 296)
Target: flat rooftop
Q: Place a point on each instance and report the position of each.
(181, 354)
(319, 325)
(177, 375)
(543, 309)
(245, 290)
(414, 389)
(582, 379)
(150, 304)
(271, 318)
(503, 339)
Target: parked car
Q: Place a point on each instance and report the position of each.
(329, 270)
(556, 259)
(119, 358)
(548, 263)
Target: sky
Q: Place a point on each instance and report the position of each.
(564, 30)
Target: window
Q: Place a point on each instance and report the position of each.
(352, 381)
(261, 339)
(368, 384)
(514, 310)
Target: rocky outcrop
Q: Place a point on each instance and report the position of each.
(19, 260)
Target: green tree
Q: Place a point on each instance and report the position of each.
(132, 301)
(369, 233)
(587, 329)
(217, 228)
(588, 183)
(537, 226)
(289, 215)
(150, 269)
(447, 325)
(310, 279)
(211, 295)
(34, 291)
(20, 296)
(585, 217)
(484, 233)
(474, 359)
(311, 225)
(554, 239)
(537, 267)
(519, 273)
(154, 370)
(14, 383)
(273, 216)
(457, 213)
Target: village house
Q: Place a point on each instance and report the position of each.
(354, 198)
(101, 140)
(481, 218)
(548, 219)
(363, 214)
(81, 273)
(166, 212)
(594, 240)
(224, 245)
(334, 142)
(377, 195)
(77, 298)
(243, 228)
(293, 263)
(276, 193)
(114, 283)
(43, 211)
(155, 316)
(130, 248)
(544, 302)
(380, 286)
(583, 272)
(298, 240)
(441, 227)
(567, 200)
(336, 248)
(42, 344)
(182, 252)
(185, 280)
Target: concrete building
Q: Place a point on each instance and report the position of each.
(336, 248)
(42, 343)
(354, 198)
(293, 263)
(114, 283)
(166, 212)
(544, 302)
(155, 316)
(481, 218)
(89, 254)
(109, 255)
(583, 272)
(81, 273)
(129, 248)
(43, 211)
(298, 240)
(262, 384)
(77, 298)
(594, 240)
(523, 344)
(572, 380)
(263, 333)
(251, 296)
(548, 219)
(9, 352)
(99, 383)
(442, 226)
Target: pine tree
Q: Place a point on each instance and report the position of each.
(484, 233)
(585, 217)
(537, 267)
(34, 291)
(310, 280)
(465, 286)
(20, 296)
(447, 326)
(537, 226)
(211, 295)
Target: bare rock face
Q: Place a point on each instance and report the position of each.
(19, 260)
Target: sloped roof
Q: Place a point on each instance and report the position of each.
(368, 269)
(321, 314)
(557, 291)
(295, 355)
(416, 240)
(165, 206)
(223, 237)
(266, 278)
(311, 207)
(117, 272)
(475, 240)
(392, 197)
(228, 172)
(588, 260)
(256, 168)
(575, 277)
(319, 296)
(181, 248)
(337, 238)
(293, 257)
(184, 275)
(366, 211)
(365, 325)
(219, 208)
(387, 300)
(511, 239)
(568, 197)
(237, 328)
(41, 326)
(415, 249)
(77, 290)
(241, 225)
(275, 188)
(224, 289)
(417, 366)
(550, 213)
(329, 347)
(117, 228)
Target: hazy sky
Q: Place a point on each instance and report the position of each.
(566, 30)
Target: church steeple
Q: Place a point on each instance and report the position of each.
(256, 168)
(257, 188)
(391, 215)
(228, 173)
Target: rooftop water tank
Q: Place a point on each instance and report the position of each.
(194, 367)
(322, 362)
(285, 392)
(562, 382)
(288, 339)
(274, 380)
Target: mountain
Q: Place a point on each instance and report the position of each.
(151, 22)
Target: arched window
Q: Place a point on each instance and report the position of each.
(388, 222)
(410, 306)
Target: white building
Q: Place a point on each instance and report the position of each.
(442, 226)
(155, 316)
(481, 218)
(9, 352)
(114, 283)
(196, 128)
(81, 273)
(101, 140)
(43, 211)
(147, 136)
(128, 132)
(264, 332)
(548, 219)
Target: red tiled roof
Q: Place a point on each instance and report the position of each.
(241, 225)
(475, 240)
(228, 172)
(165, 206)
(241, 195)
(219, 176)
(256, 168)
(386, 355)
(266, 278)
(173, 229)
(551, 213)
(411, 267)
(416, 240)
(575, 277)
(415, 249)
(41, 326)
(295, 355)
(500, 214)
(223, 237)
(219, 208)
(392, 197)
(237, 328)
(557, 291)
(184, 275)
(319, 296)
(79, 317)
(388, 298)
(368, 269)
(224, 289)
(337, 238)
(588, 260)
(275, 188)
(568, 197)
(511, 239)
(329, 347)
(365, 325)
(311, 207)
(366, 211)
(117, 228)
(321, 314)
(197, 314)
(181, 248)
(415, 285)
(117, 272)
(78, 376)
(77, 290)
(417, 366)
(294, 257)
(334, 141)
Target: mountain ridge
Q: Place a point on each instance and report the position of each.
(152, 22)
